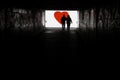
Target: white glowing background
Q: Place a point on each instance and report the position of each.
(50, 21)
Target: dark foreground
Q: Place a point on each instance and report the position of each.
(55, 46)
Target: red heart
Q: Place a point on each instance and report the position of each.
(58, 15)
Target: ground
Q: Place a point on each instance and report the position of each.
(56, 46)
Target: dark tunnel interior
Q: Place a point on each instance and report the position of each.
(24, 33)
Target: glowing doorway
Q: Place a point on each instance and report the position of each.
(51, 21)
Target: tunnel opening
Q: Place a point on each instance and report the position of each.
(52, 18)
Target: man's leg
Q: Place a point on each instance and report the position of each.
(63, 26)
(68, 27)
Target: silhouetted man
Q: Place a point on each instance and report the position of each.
(69, 21)
(63, 19)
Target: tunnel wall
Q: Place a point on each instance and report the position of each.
(2, 19)
(87, 19)
(100, 18)
(108, 18)
(21, 19)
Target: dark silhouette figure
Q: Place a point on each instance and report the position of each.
(69, 21)
(63, 19)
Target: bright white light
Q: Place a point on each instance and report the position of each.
(50, 20)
